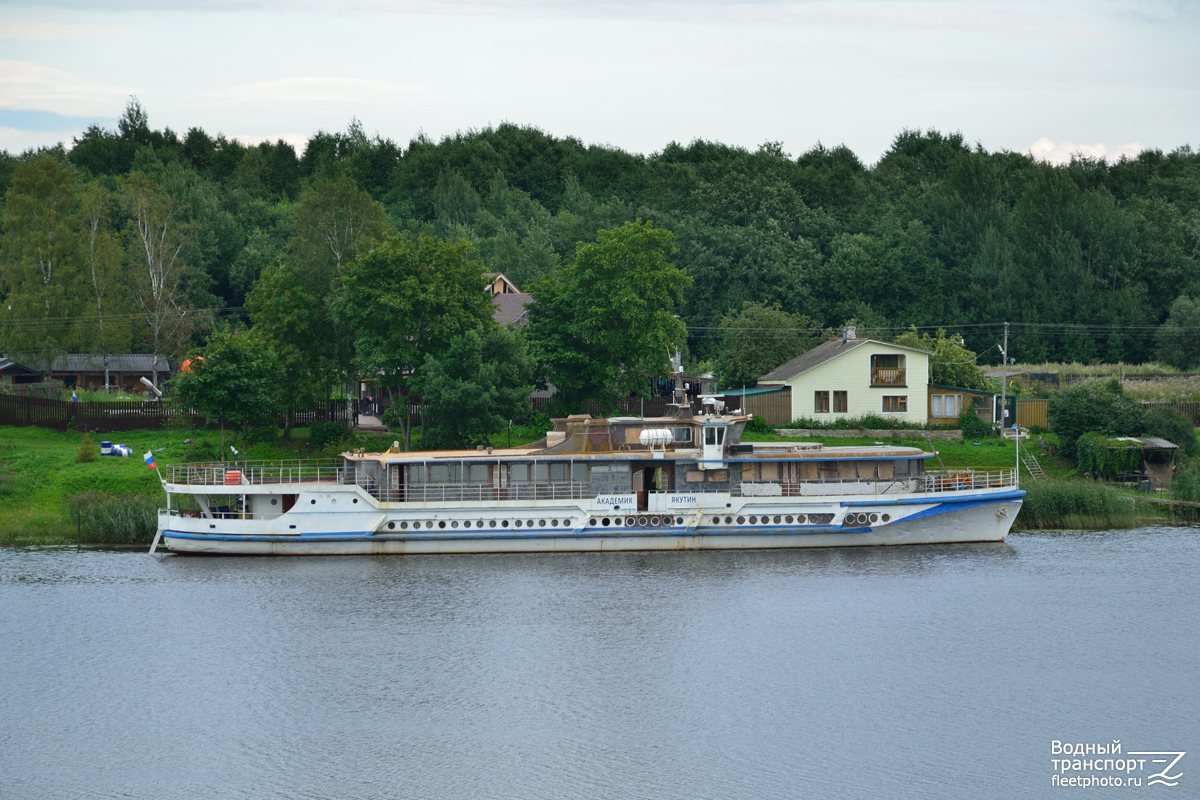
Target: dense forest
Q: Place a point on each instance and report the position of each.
(139, 239)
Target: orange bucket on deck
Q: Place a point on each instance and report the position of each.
(233, 477)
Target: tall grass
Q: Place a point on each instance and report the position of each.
(1079, 505)
(116, 519)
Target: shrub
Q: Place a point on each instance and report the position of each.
(327, 433)
(972, 426)
(758, 425)
(87, 451)
(1100, 456)
(1174, 426)
(1095, 406)
(262, 435)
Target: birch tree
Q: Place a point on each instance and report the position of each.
(158, 234)
(41, 239)
(104, 270)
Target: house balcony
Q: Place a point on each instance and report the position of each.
(887, 376)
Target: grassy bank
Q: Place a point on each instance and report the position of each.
(44, 489)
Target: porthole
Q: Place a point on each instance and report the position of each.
(679, 520)
(604, 522)
(887, 517)
(479, 524)
(741, 520)
(454, 524)
(442, 523)
(778, 519)
(874, 518)
(491, 523)
(541, 523)
(799, 518)
(355, 500)
(274, 502)
(333, 502)
(391, 526)
(728, 520)
(312, 502)
(788, 519)
(403, 526)
(593, 522)
(553, 523)
(630, 521)
(504, 524)
(716, 520)
(518, 523)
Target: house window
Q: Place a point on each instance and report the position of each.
(946, 405)
(821, 402)
(887, 370)
(839, 403)
(895, 404)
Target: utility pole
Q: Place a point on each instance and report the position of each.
(1003, 383)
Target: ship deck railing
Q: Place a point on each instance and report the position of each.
(233, 479)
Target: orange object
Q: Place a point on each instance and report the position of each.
(233, 477)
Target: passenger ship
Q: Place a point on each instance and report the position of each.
(682, 482)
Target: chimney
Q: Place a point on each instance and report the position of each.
(848, 333)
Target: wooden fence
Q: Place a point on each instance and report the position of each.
(121, 415)
(1031, 413)
(1189, 410)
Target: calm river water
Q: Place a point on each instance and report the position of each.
(932, 671)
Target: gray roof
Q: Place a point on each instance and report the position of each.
(509, 309)
(1150, 442)
(117, 362)
(826, 351)
(11, 367)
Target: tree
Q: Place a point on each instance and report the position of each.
(158, 234)
(760, 338)
(41, 246)
(106, 273)
(1093, 407)
(234, 380)
(482, 380)
(285, 311)
(408, 298)
(1178, 339)
(335, 223)
(603, 324)
(952, 363)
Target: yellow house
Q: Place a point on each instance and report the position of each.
(851, 377)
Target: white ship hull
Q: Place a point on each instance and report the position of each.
(959, 517)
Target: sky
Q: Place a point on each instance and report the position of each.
(1103, 78)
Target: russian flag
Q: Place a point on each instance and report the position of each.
(149, 457)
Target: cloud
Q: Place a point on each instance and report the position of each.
(1045, 149)
(24, 85)
(36, 31)
(308, 90)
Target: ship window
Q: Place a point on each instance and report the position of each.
(479, 473)
(519, 473)
(683, 434)
(710, 436)
(900, 469)
(720, 436)
(416, 475)
(579, 473)
(445, 473)
(553, 472)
